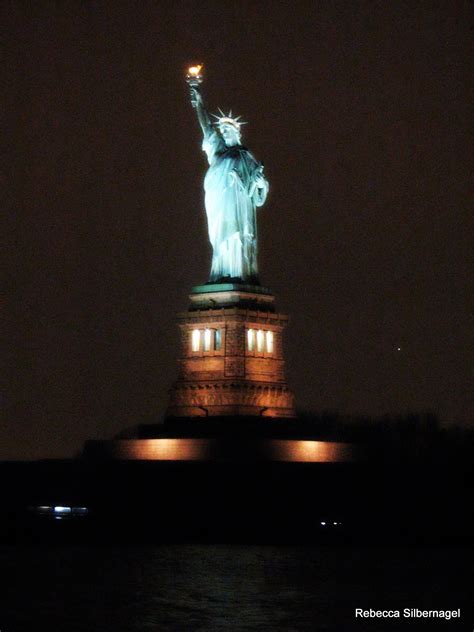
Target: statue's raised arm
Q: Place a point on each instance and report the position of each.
(198, 104)
(234, 186)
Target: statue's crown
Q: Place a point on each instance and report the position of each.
(228, 119)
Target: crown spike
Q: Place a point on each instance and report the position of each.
(228, 119)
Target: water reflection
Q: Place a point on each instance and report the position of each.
(220, 587)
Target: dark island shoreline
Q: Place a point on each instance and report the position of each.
(412, 486)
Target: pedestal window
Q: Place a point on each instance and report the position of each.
(206, 340)
(250, 339)
(260, 341)
(269, 341)
(196, 340)
(217, 339)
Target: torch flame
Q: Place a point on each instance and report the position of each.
(194, 71)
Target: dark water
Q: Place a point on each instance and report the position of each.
(199, 587)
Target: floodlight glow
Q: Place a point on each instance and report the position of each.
(62, 510)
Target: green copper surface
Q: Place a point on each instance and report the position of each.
(234, 187)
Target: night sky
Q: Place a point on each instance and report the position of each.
(359, 111)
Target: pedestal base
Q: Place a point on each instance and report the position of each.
(231, 361)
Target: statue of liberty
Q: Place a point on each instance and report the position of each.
(234, 187)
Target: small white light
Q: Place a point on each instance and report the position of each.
(62, 510)
(335, 523)
(399, 348)
(323, 524)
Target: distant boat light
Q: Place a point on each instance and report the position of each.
(81, 511)
(62, 510)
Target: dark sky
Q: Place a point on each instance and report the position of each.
(359, 111)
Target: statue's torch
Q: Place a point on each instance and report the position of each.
(193, 79)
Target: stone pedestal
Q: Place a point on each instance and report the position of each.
(231, 358)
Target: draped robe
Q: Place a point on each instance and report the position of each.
(231, 197)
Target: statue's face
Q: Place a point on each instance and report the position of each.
(230, 134)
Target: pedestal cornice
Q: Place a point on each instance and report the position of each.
(213, 296)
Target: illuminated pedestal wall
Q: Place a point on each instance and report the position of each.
(231, 356)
